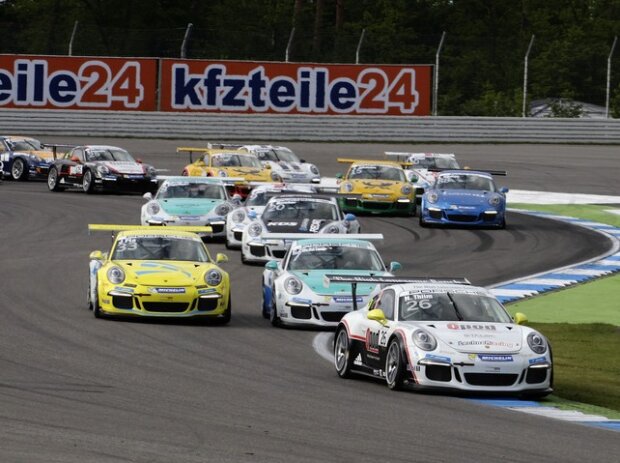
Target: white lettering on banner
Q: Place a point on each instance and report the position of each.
(311, 92)
(94, 86)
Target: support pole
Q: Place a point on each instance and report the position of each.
(525, 69)
(359, 46)
(188, 33)
(75, 26)
(613, 47)
(288, 45)
(436, 80)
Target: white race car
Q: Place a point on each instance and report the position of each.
(441, 334)
(292, 213)
(285, 165)
(190, 201)
(254, 206)
(293, 289)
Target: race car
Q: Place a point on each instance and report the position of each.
(227, 163)
(441, 334)
(293, 289)
(158, 272)
(464, 197)
(292, 213)
(24, 158)
(95, 168)
(284, 164)
(254, 205)
(421, 168)
(376, 187)
(189, 201)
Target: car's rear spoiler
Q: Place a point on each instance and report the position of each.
(54, 147)
(308, 236)
(117, 228)
(468, 169)
(354, 280)
(225, 180)
(371, 161)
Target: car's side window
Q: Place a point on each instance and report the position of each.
(386, 303)
(79, 153)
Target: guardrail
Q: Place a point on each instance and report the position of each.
(268, 127)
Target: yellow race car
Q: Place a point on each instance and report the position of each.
(376, 187)
(158, 272)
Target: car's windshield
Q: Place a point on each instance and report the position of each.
(450, 306)
(29, 144)
(235, 160)
(286, 209)
(333, 257)
(465, 182)
(153, 247)
(434, 163)
(260, 197)
(109, 154)
(377, 173)
(286, 155)
(191, 190)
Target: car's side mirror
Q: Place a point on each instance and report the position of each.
(395, 266)
(504, 190)
(339, 175)
(520, 318)
(267, 166)
(221, 258)
(272, 265)
(96, 255)
(148, 196)
(413, 178)
(350, 217)
(302, 160)
(377, 315)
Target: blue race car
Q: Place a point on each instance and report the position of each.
(23, 158)
(464, 197)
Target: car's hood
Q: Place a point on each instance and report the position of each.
(187, 206)
(296, 225)
(477, 336)
(464, 197)
(162, 273)
(284, 165)
(315, 280)
(248, 173)
(376, 186)
(124, 167)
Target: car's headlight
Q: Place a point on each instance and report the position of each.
(333, 228)
(406, 189)
(116, 275)
(213, 277)
(222, 173)
(314, 170)
(238, 216)
(537, 343)
(347, 187)
(255, 229)
(35, 158)
(275, 176)
(424, 340)
(495, 200)
(102, 170)
(293, 285)
(153, 208)
(223, 209)
(432, 197)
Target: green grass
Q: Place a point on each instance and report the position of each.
(583, 326)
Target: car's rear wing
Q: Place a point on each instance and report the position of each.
(55, 148)
(354, 280)
(468, 169)
(191, 151)
(117, 228)
(308, 236)
(224, 146)
(224, 180)
(372, 161)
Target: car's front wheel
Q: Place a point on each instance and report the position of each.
(343, 360)
(273, 313)
(395, 366)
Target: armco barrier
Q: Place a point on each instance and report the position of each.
(308, 128)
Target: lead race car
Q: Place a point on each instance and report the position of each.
(293, 290)
(285, 165)
(292, 213)
(442, 334)
(100, 168)
(464, 198)
(190, 201)
(158, 272)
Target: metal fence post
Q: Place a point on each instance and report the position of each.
(436, 79)
(527, 57)
(613, 47)
(188, 33)
(75, 26)
(359, 46)
(288, 45)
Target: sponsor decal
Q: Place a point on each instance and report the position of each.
(375, 339)
(122, 289)
(438, 358)
(301, 300)
(167, 290)
(206, 291)
(347, 299)
(189, 217)
(464, 326)
(358, 360)
(488, 344)
(495, 358)
(294, 88)
(537, 360)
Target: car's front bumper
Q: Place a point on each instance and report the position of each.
(129, 183)
(378, 206)
(446, 216)
(257, 250)
(319, 310)
(216, 223)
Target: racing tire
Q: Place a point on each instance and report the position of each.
(395, 366)
(88, 184)
(227, 315)
(52, 180)
(264, 305)
(502, 225)
(273, 313)
(343, 360)
(19, 170)
(423, 223)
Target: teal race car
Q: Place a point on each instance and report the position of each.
(294, 291)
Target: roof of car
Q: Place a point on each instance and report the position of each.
(160, 231)
(334, 241)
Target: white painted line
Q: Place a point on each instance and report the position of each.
(608, 262)
(566, 415)
(613, 211)
(548, 282)
(582, 271)
(321, 343)
(513, 292)
(547, 197)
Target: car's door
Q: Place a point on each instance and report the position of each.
(377, 333)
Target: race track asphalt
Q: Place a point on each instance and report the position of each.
(77, 389)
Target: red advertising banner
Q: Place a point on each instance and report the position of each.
(55, 82)
(295, 88)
